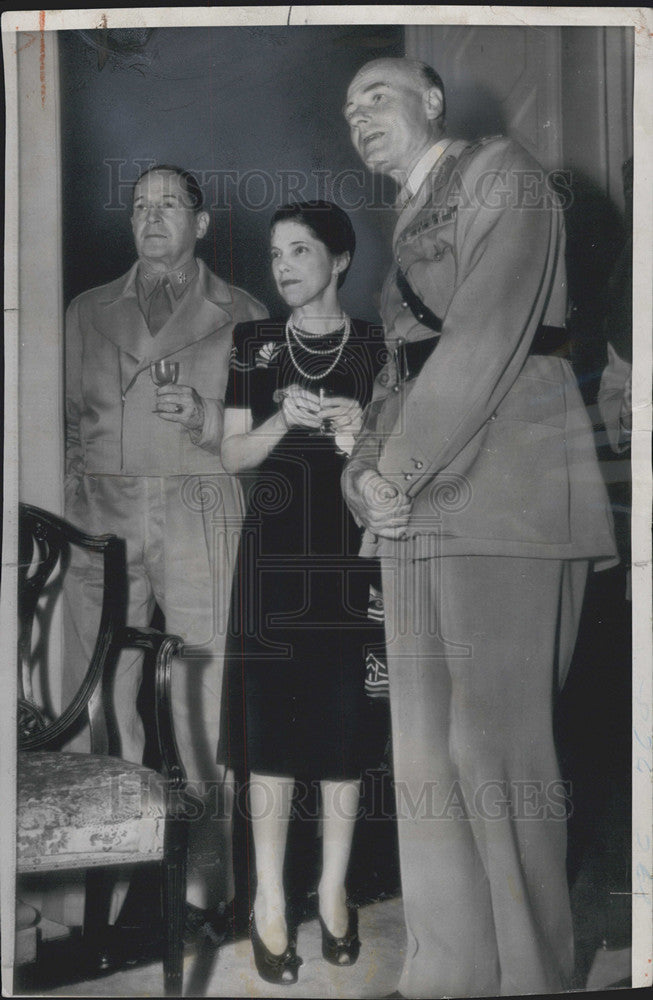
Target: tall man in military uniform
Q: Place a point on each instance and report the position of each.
(476, 479)
(143, 462)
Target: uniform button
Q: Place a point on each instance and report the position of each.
(493, 417)
(420, 315)
(408, 475)
(383, 379)
(399, 260)
(419, 465)
(404, 305)
(395, 388)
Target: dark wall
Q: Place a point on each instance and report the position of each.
(263, 104)
(597, 231)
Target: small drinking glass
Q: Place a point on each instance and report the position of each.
(326, 427)
(164, 372)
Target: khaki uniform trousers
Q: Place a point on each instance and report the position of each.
(181, 536)
(476, 649)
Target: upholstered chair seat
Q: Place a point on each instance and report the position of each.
(74, 809)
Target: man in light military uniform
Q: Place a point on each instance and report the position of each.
(476, 479)
(143, 462)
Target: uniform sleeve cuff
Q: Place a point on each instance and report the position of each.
(408, 470)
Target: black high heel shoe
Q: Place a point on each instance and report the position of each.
(344, 950)
(280, 969)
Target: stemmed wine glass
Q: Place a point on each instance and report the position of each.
(164, 372)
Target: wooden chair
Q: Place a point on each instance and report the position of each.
(94, 811)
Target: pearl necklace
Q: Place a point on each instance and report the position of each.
(290, 328)
(301, 336)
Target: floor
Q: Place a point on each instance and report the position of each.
(229, 971)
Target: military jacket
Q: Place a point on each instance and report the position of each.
(490, 439)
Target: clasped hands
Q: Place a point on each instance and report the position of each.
(315, 411)
(380, 505)
(181, 404)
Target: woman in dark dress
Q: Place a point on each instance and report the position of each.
(294, 682)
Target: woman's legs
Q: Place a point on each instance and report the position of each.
(339, 810)
(269, 805)
(269, 802)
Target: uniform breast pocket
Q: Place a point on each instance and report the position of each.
(437, 241)
(426, 242)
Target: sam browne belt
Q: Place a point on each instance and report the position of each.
(410, 356)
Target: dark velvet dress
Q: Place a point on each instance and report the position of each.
(293, 698)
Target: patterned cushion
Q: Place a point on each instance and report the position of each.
(80, 810)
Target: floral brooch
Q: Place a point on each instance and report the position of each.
(267, 354)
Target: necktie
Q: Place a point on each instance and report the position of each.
(160, 309)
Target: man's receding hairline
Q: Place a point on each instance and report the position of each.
(186, 181)
(412, 68)
(163, 170)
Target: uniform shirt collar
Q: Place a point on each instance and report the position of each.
(423, 167)
(179, 278)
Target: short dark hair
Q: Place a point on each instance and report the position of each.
(328, 223)
(188, 180)
(433, 79)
